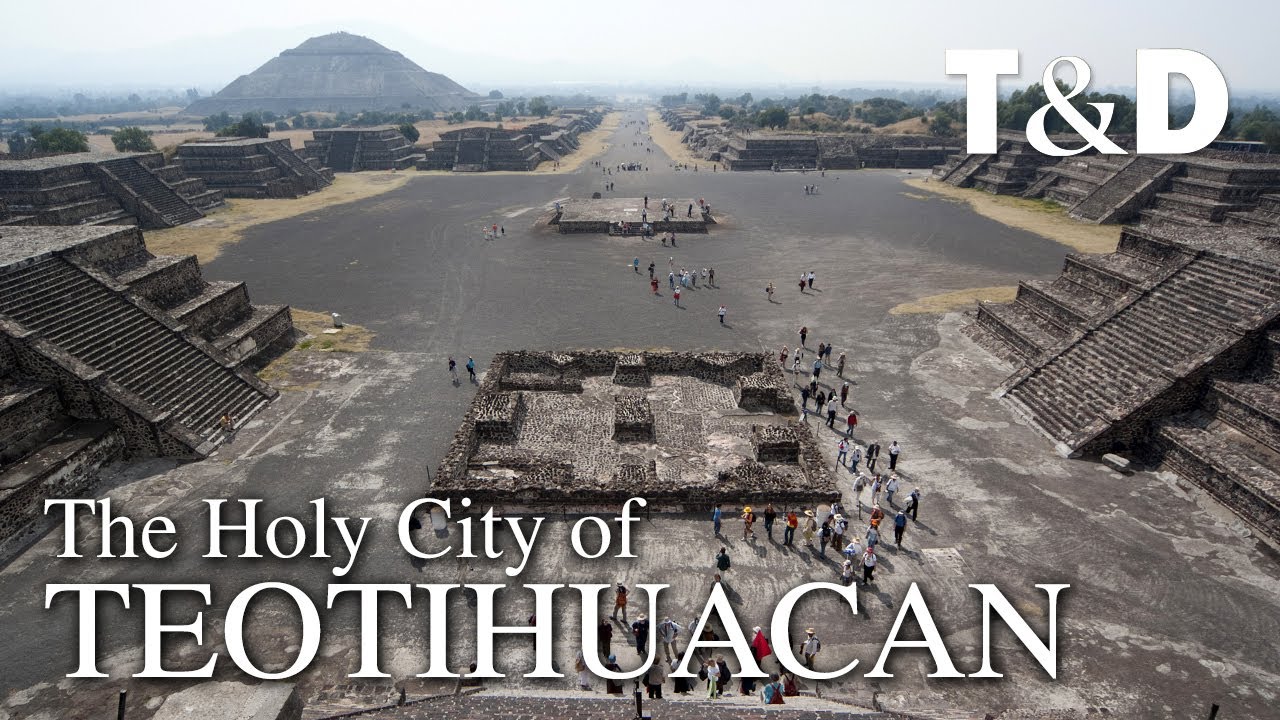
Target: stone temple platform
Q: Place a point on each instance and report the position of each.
(590, 429)
(580, 215)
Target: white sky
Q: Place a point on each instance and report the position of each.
(830, 43)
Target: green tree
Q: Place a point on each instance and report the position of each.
(249, 126)
(538, 106)
(214, 123)
(409, 131)
(712, 104)
(942, 124)
(132, 139)
(59, 140)
(774, 117)
(727, 112)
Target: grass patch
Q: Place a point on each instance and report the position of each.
(959, 299)
(283, 373)
(1042, 217)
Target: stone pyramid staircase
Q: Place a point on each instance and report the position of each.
(342, 151)
(156, 201)
(127, 350)
(1105, 383)
(311, 178)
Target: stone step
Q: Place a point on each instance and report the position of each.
(1250, 407)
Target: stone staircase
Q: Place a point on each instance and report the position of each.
(82, 316)
(1106, 383)
(171, 209)
(1124, 193)
(962, 174)
(310, 177)
(1266, 214)
(343, 147)
(1230, 444)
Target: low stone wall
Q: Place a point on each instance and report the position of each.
(66, 467)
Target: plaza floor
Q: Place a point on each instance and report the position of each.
(1172, 605)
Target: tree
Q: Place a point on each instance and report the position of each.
(774, 117)
(744, 99)
(214, 123)
(410, 132)
(249, 126)
(538, 106)
(941, 125)
(59, 140)
(712, 105)
(727, 112)
(282, 125)
(193, 94)
(495, 94)
(475, 113)
(132, 139)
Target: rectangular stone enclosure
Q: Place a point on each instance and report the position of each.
(603, 215)
(585, 430)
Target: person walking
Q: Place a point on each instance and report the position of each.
(913, 503)
(846, 572)
(795, 363)
(892, 486)
(844, 388)
(899, 527)
(640, 629)
(894, 449)
(824, 536)
(722, 561)
(654, 677)
(819, 400)
(668, 631)
(804, 398)
(584, 677)
(873, 454)
(842, 451)
(620, 601)
(770, 516)
(851, 422)
(840, 366)
(453, 368)
(712, 671)
(635, 265)
(789, 532)
(782, 356)
(471, 368)
(676, 294)
(748, 520)
(604, 637)
(876, 486)
(651, 269)
(810, 527)
(869, 561)
(810, 647)
(768, 291)
(817, 368)
(802, 285)
(717, 516)
(853, 551)
(653, 283)
(671, 280)
(811, 278)
(711, 276)
(856, 457)
(721, 313)
(831, 412)
(804, 333)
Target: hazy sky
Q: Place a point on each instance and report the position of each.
(832, 43)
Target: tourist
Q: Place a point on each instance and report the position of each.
(831, 412)
(795, 364)
(819, 399)
(899, 527)
(711, 276)
(604, 637)
(635, 265)
(842, 452)
(810, 527)
(613, 687)
(857, 451)
(653, 283)
(471, 368)
(913, 502)
(759, 645)
(853, 551)
(676, 294)
(712, 672)
(716, 517)
(893, 454)
(846, 572)
(653, 679)
(768, 291)
(840, 369)
(640, 629)
(873, 454)
(671, 280)
(789, 687)
(822, 349)
(844, 388)
(721, 313)
(810, 647)
(789, 532)
(804, 333)
(770, 516)
(620, 601)
(804, 398)
(873, 533)
(876, 486)
(817, 367)
(725, 675)
(838, 530)
(651, 268)
(748, 520)
(668, 631)
(453, 369)
(722, 561)
(782, 357)
(680, 685)
(584, 677)
(802, 283)
(811, 278)
(892, 486)
(869, 561)
(824, 536)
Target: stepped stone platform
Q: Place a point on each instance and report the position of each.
(1164, 349)
(593, 428)
(604, 215)
(252, 167)
(107, 350)
(482, 149)
(771, 152)
(364, 148)
(113, 189)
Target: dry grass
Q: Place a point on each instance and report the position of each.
(590, 145)
(205, 238)
(669, 140)
(283, 373)
(960, 299)
(1041, 217)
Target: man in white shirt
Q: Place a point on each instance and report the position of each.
(893, 455)
(810, 647)
(667, 632)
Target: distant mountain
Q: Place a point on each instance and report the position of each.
(333, 73)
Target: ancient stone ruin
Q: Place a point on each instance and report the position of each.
(252, 167)
(627, 216)
(481, 149)
(107, 350)
(362, 148)
(591, 428)
(1166, 349)
(1202, 188)
(88, 189)
(335, 73)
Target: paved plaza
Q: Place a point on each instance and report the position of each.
(1173, 605)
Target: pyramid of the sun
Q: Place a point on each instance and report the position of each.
(333, 73)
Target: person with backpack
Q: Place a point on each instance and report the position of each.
(824, 537)
(770, 517)
(789, 533)
(668, 631)
(471, 367)
(810, 647)
(722, 560)
(640, 629)
(620, 601)
(748, 520)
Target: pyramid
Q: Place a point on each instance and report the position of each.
(334, 73)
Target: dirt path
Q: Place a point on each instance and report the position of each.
(669, 140)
